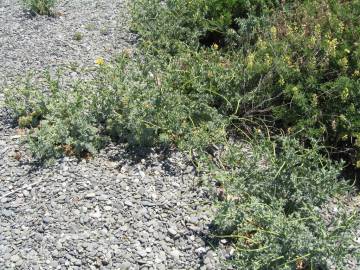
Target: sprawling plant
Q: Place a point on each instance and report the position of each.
(41, 7)
(208, 71)
(273, 196)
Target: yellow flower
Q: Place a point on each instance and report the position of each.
(332, 44)
(268, 59)
(250, 59)
(295, 91)
(313, 41)
(287, 59)
(261, 44)
(317, 31)
(290, 30)
(345, 94)
(215, 46)
(344, 62)
(344, 137)
(100, 61)
(273, 31)
(358, 164)
(341, 26)
(281, 81)
(315, 100)
(352, 108)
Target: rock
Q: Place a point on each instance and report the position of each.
(125, 266)
(90, 195)
(107, 208)
(128, 203)
(172, 232)
(46, 220)
(77, 262)
(175, 254)
(15, 258)
(95, 214)
(141, 252)
(7, 213)
(160, 267)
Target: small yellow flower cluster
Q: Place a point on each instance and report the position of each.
(345, 94)
(273, 31)
(313, 40)
(261, 44)
(343, 62)
(317, 32)
(215, 46)
(100, 61)
(281, 81)
(315, 100)
(332, 44)
(250, 60)
(358, 164)
(268, 59)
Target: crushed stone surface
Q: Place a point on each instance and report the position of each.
(120, 210)
(80, 32)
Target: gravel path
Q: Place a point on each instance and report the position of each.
(82, 31)
(117, 211)
(112, 212)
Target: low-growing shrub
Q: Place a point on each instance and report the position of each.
(294, 63)
(210, 70)
(41, 7)
(126, 101)
(274, 196)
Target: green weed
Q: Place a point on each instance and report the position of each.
(41, 7)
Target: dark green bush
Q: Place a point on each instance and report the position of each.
(296, 65)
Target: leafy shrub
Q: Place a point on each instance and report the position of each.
(295, 65)
(59, 121)
(126, 101)
(41, 7)
(273, 208)
(190, 89)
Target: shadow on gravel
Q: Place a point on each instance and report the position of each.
(133, 155)
(213, 242)
(6, 121)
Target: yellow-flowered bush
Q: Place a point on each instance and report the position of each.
(294, 63)
(209, 73)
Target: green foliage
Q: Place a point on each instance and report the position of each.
(131, 101)
(272, 207)
(208, 70)
(294, 64)
(78, 36)
(41, 7)
(59, 121)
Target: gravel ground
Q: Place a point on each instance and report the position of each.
(117, 211)
(81, 31)
(114, 212)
